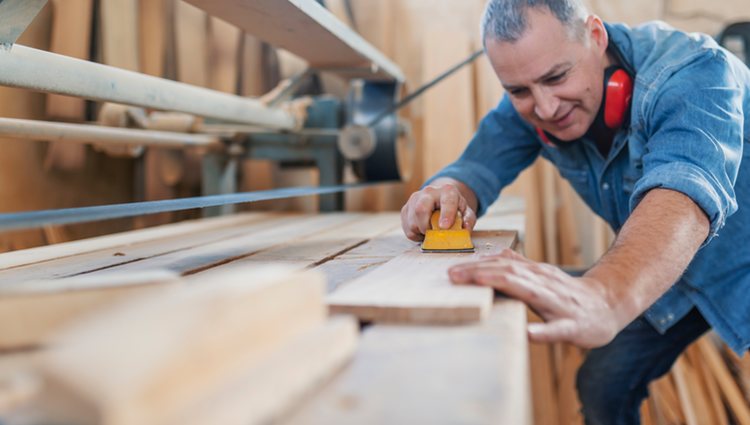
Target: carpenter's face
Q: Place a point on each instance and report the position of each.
(554, 78)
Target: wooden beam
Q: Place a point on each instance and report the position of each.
(266, 392)
(28, 257)
(308, 30)
(414, 287)
(31, 312)
(433, 374)
(152, 359)
(146, 249)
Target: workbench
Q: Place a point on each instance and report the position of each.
(400, 373)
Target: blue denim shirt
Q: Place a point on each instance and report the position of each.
(690, 120)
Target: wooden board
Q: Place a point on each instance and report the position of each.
(182, 346)
(119, 19)
(267, 391)
(475, 374)
(71, 36)
(191, 39)
(447, 130)
(153, 27)
(31, 312)
(306, 29)
(33, 256)
(223, 52)
(108, 259)
(414, 287)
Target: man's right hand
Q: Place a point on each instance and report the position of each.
(446, 195)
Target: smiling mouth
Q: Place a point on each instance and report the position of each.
(561, 121)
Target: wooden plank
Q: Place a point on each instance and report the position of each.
(688, 401)
(223, 52)
(414, 287)
(31, 312)
(364, 258)
(731, 393)
(38, 255)
(181, 347)
(119, 20)
(543, 383)
(153, 27)
(200, 257)
(104, 261)
(447, 129)
(71, 36)
(308, 30)
(191, 38)
(269, 390)
(428, 375)
(707, 382)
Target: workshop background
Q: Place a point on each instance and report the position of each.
(424, 37)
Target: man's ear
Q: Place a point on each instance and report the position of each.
(597, 33)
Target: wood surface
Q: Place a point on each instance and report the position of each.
(414, 287)
(306, 29)
(31, 312)
(224, 55)
(71, 36)
(407, 374)
(164, 355)
(269, 391)
(449, 120)
(119, 20)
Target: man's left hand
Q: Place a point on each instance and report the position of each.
(581, 311)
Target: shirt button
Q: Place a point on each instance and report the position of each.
(605, 186)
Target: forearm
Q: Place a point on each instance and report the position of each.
(651, 252)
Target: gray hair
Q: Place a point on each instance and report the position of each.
(505, 20)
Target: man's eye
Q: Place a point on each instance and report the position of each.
(556, 78)
(519, 92)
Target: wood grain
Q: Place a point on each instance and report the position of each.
(414, 287)
(474, 374)
(306, 29)
(150, 360)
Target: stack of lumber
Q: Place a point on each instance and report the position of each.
(241, 346)
(186, 323)
(704, 387)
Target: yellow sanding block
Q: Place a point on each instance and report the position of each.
(455, 239)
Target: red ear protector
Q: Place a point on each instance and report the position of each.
(618, 90)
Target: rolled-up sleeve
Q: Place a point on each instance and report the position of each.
(695, 142)
(501, 148)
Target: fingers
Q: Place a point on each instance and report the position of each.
(508, 254)
(513, 280)
(561, 330)
(415, 215)
(449, 205)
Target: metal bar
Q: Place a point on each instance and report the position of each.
(29, 219)
(85, 133)
(15, 17)
(38, 70)
(405, 101)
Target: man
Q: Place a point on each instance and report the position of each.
(666, 169)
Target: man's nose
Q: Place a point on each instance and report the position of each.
(545, 105)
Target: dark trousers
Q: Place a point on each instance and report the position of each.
(613, 380)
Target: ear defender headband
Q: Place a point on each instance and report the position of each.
(616, 97)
